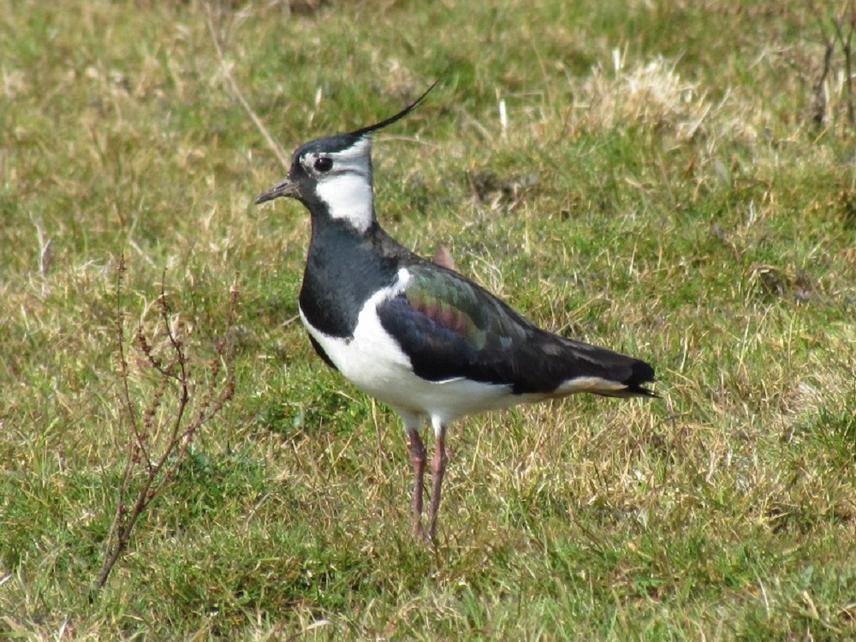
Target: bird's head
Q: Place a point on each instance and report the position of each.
(332, 176)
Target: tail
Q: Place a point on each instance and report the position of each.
(603, 372)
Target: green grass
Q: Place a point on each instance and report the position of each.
(684, 209)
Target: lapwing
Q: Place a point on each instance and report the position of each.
(416, 335)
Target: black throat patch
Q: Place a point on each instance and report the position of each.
(343, 269)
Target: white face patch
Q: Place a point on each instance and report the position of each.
(346, 188)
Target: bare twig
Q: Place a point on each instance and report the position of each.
(133, 421)
(819, 109)
(846, 39)
(843, 29)
(238, 94)
(152, 457)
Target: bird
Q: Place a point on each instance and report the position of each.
(415, 334)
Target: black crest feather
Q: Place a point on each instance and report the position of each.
(388, 121)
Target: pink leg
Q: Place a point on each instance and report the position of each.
(438, 469)
(417, 456)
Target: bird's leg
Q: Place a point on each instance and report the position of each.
(417, 456)
(438, 469)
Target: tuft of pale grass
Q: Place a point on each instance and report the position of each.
(647, 95)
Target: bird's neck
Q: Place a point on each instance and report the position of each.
(344, 267)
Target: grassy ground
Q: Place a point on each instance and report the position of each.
(659, 187)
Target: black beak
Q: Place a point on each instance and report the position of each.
(286, 188)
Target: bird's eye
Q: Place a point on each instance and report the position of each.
(323, 164)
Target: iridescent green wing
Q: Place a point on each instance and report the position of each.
(450, 327)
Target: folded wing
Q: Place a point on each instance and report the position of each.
(452, 328)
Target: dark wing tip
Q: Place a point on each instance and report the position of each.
(642, 373)
(388, 121)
